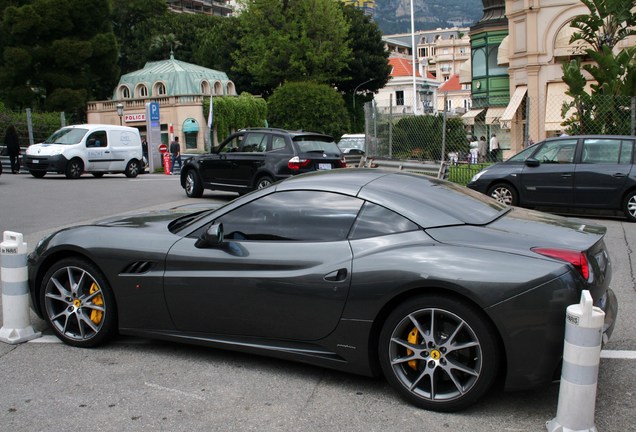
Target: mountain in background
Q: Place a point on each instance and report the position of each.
(394, 16)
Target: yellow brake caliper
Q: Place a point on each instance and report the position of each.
(96, 316)
(412, 339)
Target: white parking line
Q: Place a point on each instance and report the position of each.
(618, 354)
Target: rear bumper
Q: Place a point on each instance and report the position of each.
(609, 305)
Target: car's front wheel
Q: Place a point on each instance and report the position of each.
(438, 353)
(504, 193)
(193, 184)
(77, 303)
(74, 168)
(629, 206)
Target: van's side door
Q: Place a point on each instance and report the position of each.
(98, 153)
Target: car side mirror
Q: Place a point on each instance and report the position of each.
(532, 162)
(213, 236)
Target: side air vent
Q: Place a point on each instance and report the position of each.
(138, 267)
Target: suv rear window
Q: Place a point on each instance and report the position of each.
(308, 144)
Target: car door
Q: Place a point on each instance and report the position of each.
(98, 153)
(283, 271)
(551, 181)
(602, 173)
(216, 168)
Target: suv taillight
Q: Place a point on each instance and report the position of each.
(576, 258)
(341, 163)
(297, 163)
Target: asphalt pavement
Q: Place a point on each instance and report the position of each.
(134, 384)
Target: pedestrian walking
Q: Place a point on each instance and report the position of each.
(483, 149)
(494, 148)
(12, 143)
(175, 151)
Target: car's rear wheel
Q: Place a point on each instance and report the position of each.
(193, 185)
(74, 168)
(438, 353)
(504, 193)
(629, 206)
(77, 303)
(264, 182)
(132, 169)
(37, 174)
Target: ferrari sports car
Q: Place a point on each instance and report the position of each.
(437, 287)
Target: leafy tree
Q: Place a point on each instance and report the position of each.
(308, 106)
(232, 113)
(368, 69)
(135, 24)
(57, 54)
(291, 41)
(607, 109)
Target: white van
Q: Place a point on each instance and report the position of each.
(93, 148)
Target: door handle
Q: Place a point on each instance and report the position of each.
(337, 276)
(566, 175)
(618, 175)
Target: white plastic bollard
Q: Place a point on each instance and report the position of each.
(579, 375)
(15, 291)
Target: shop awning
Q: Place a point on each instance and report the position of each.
(494, 114)
(514, 104)
(469, 117)
(502, 52)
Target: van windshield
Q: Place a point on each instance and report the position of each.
(66, 136)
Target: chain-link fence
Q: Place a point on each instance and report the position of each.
(395, 132)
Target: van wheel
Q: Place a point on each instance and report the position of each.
(37, 174)
(74, 168)
(132, 169)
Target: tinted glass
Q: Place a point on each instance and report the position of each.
(293, 216)
(606, 151)
(307, 144)
(560, 151)
(352, 142)
(232, 145)
(523, 154)
(375, 220)
(254, 142)
(278, 143)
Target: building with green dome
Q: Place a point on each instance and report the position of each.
(178, 87)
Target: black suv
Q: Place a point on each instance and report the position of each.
(255, 158)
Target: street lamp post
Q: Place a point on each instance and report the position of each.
(355, 91)
(120, 112)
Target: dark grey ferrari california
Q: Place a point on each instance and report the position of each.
(439, 288)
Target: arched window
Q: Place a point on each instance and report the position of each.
(205, 87)
(142, 90)
(124, 92)
(160, 89)
(218, 88)
(479, 62)
(231, 89)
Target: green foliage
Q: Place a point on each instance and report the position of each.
(308, 106)
(57, 54)
(421, 137)
(607, 109)
(291, 41)
(44, 124)
(231, 113)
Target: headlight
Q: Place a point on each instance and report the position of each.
(479, 174)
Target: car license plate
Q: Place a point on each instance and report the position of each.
(324, 166)
(36, 161)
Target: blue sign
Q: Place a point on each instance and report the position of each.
(154, 111)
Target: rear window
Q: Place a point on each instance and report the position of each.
(352, 142)
(307, 144)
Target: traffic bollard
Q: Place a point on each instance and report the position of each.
(15, 291)
(579, 375)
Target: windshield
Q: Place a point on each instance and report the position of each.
(523, 154)
(316, 144)
(352, 142)
(66, 136)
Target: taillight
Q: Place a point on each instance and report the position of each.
(576, 258)
(341, 163)
(297, 163)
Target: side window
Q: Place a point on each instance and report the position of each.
(254, 142)
(97, 139)
(375, 220)
(233, 145)
(278, 143)
(606, 151)
(560, 151)
(627, 152)
(293, 216)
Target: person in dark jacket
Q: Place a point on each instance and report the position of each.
(175, 150)
(12, 142)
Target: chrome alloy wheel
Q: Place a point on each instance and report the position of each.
(435, 355)
(503, 195)
(74, 304)
(630, 207)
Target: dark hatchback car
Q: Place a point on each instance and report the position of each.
(255, 158)
(567, 172)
